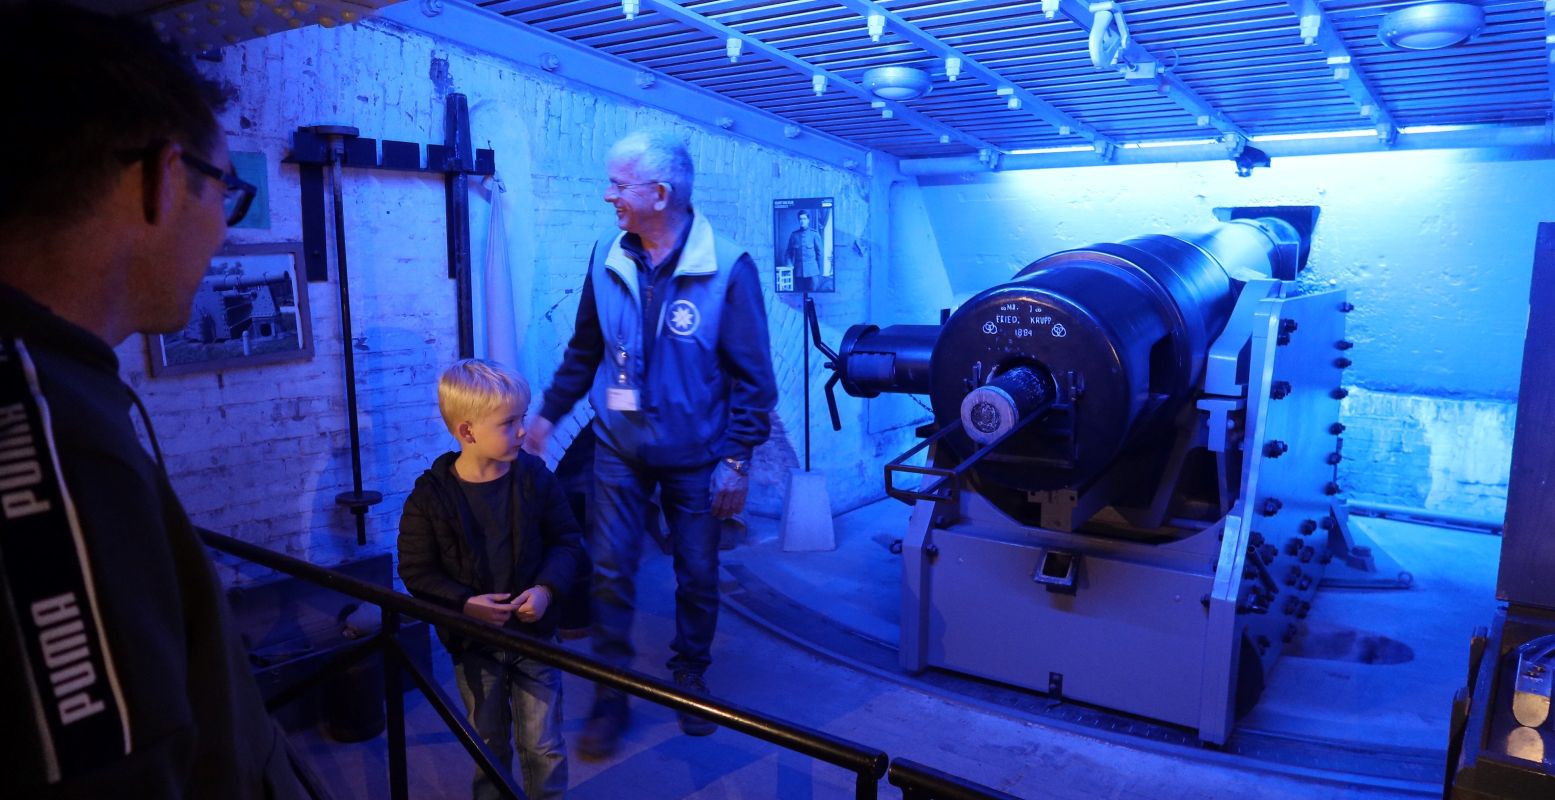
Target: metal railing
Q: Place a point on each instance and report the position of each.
(868, 764)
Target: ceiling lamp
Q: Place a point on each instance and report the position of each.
(897, 83)
(1431, 25)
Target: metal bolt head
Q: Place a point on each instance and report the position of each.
(1346, 307)
(1339, 393)
(1288, 326)
(1307, 526)
(1336, 428)
(1344, 344)
(1275, 448)
(1271, 506)
(1343, 363)
(1280, 390)
(1330, 488)
(1333, 458)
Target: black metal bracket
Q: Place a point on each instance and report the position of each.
(311, 153)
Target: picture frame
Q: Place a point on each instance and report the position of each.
(803, 244)
(251, 308)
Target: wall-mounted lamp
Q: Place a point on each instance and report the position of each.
(876, 27)
(732, 48)
(630, 8)
(818, 83)
(952, 68)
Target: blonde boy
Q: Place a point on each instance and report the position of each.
(488, 531)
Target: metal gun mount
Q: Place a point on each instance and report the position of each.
(1134, 450)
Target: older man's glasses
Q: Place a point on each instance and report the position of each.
(620, 188)
(237, 194)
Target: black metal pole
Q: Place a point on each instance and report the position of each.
(394, 704)
(357, 500)
(337, 148)
(456, 137)
(805, 346)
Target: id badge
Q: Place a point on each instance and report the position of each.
(620, 398)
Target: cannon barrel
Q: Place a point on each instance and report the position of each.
(1092, 350)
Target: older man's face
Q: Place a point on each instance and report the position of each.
(637, 198)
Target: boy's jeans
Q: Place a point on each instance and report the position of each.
(616, 533)
(507, 694)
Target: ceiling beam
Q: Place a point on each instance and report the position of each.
(479, 29)
(1167, 84)
(1317, 29)
(1518, 141)
(1549, 51)
(1030, 103)
(946, 133)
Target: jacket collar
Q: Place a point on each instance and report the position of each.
(696, 255)
(22, 316)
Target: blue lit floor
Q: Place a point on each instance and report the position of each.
(1383, 725)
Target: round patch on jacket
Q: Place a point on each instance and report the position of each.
(684, 317)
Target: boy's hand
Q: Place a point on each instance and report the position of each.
(536, 435)
(530, 604)
(490, 607)
(728, 489)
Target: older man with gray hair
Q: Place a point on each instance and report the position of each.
(671, 347)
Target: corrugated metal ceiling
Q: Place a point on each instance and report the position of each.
(1232, 66)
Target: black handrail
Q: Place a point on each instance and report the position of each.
(868, 764)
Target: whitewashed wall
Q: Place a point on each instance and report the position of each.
(261, 452)
(1435, 249)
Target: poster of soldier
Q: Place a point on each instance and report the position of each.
(250, 309)
(802, 239)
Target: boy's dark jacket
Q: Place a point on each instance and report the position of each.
(440, 564)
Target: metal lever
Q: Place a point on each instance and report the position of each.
(833, 363)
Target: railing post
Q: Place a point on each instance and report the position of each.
(394, 705)
(868, 786)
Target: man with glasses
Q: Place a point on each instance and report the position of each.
(121, 673)
(671, 348)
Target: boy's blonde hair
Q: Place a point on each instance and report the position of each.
(473, 388)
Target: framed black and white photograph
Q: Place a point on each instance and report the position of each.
(251, 308)
(802, 236)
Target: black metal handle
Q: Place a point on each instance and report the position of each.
(833, 361)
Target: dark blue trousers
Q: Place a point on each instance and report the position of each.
(621, 494)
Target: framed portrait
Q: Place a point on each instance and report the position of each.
(251, 308)
(802, 236)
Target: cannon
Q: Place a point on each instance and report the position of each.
(1127, 495)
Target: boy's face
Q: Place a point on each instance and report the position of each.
(498, 435)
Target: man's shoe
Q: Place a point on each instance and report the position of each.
(602, 733)
(692, 683)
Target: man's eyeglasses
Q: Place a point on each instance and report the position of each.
(622, 187)
(238, 194)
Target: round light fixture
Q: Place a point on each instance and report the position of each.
(1431, 26)
(897, 83)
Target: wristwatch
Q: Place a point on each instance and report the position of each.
(741, 466)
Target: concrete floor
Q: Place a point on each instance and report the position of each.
(1361, 712)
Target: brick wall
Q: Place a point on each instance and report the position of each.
(261, 452)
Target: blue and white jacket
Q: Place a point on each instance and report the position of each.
(707, 390)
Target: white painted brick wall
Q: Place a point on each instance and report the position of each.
(261, 452)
